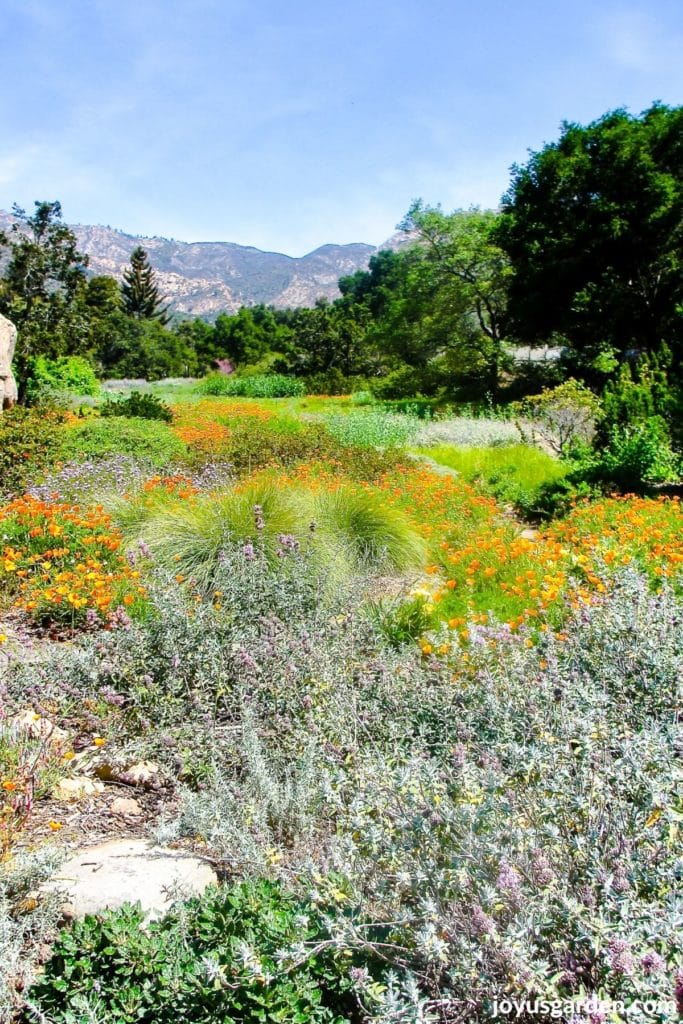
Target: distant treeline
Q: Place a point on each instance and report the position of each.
(586, 254)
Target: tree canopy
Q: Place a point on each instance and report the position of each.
(593, 226)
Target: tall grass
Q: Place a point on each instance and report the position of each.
(344, 530)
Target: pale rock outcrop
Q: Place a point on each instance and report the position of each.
(8, 342)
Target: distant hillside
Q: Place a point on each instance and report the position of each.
(205, 278)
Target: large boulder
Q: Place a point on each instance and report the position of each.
(8, 342)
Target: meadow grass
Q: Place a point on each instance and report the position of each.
(344, 529)
(513, 474)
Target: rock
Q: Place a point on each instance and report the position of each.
(125, 806)
(68, 913)
(529, 534)
(39, 728)
(128, 871)
(8, 341)
(76, 788)
(145, 774)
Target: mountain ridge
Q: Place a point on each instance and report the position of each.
(202, 279)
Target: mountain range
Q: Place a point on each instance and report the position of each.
(206, 278)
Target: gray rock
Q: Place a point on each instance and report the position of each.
(122, 871)
(8, 341)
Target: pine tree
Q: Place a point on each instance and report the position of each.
(139, 291)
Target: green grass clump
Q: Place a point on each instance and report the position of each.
(374, 531)
(344, 531)
(261, 385)
(513, 474)
(118, 435)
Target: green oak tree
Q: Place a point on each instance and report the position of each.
(593, 227)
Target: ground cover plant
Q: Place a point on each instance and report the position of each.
(443, 813)
(269, 385)
(466, 432)
(63, 564)
(120, 435)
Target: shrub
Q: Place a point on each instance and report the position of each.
(333, 382)
(561, 417)
(28, 768)
(219, 958)
(144, 406)
(467, 432)
(505, 815)
(29, 441)
(267, 385)
(93, 481)
(26, 924)
(404, 382)
(636, 456)
(115, 435)
(360, 398)
(72, 375)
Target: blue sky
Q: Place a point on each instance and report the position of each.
(287, 125)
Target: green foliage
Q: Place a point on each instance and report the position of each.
(333, 382)
(140, 294)
(29, 442)
(472, 274)
(145, 439)
(401, 621)
(271, 385)
(374, 531)
(592, 228)
(252, 444)
(248, 336)
(72, 375)
(40, 286)
(130, 347)
(562, 417)
(636, 456)
(209, 960)
(639, 392)
(139, 406)
(516, 475)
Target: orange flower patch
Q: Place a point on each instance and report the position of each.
(64, 562)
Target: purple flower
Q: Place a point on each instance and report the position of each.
(482, 923)
(652, 963)
(120, 618)
(621, 957)
(509, 880)
(542, 871)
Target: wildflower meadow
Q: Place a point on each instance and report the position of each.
(429, 740)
